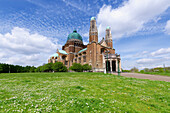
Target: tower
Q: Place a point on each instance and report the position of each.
(93, 32)
(108, 37)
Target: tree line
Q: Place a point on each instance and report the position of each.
(6, 68)
(158, 69)
(49, 67)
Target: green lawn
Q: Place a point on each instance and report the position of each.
(157, 73)
(81, 92)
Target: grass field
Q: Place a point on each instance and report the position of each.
(157, 73)
(81, 92)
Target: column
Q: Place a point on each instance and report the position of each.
(110, 65)
(116, 65)
(120, 65)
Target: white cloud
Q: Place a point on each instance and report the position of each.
(155, 59)
(161, 51)
(130, 17)
(167, 27)
(21, 47)
(86, 34)
(148, 61)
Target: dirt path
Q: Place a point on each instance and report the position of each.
(146, 76)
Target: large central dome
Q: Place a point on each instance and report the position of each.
(74, 35)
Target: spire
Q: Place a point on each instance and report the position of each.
(108, 33)
(108, 37)
(93, 32)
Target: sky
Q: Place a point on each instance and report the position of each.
(32, 30)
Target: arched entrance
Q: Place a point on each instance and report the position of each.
(113, 65)
(107, 65)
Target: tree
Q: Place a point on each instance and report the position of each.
(1, 69)
(48, 67)
(142, 71)
(76, 67)
(86, 67)
(134, 69)
(59, 67)
(146, 70)
(39, 69)
(32, 69)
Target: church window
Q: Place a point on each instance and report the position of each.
(93, 24)
(102, 50)
(63, 57)
(80, 60)
(66, 62)
(84, 58)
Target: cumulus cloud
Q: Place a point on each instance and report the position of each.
(130, 17)
(167, 27)
(161, 51)
(23, 48)
(155, 59)
(148, 61)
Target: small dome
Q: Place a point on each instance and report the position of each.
(93, 18)
(74, 35)
(108, 27)
(54, 55)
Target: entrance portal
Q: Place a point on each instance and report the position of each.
(107, 65)
(113, 65)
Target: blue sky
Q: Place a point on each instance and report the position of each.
(32, 30)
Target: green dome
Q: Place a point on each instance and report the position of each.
(108, 27)
(93, 18)
(74, 35)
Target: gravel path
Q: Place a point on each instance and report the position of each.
(146, 76)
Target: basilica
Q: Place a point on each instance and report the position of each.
(98, 54)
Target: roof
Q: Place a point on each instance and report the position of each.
(103, 42)
(62, 52)
(82, 50)
(54, 55)
(93, 18)
(74, 35)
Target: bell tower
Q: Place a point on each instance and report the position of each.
(108, 37)
(93, 32)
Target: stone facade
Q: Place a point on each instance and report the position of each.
(97, 54)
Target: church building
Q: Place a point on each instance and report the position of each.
(97, 54)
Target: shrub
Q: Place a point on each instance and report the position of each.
(142, 71)
(48, 67)
(86, 67)
(76, 67)
(125, 70)
(59, 67)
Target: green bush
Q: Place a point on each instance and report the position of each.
(59, 67)
(125, 70)
(76, 67)
(142, 71)
(80, 68)
(86, 67)
(48, 67)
